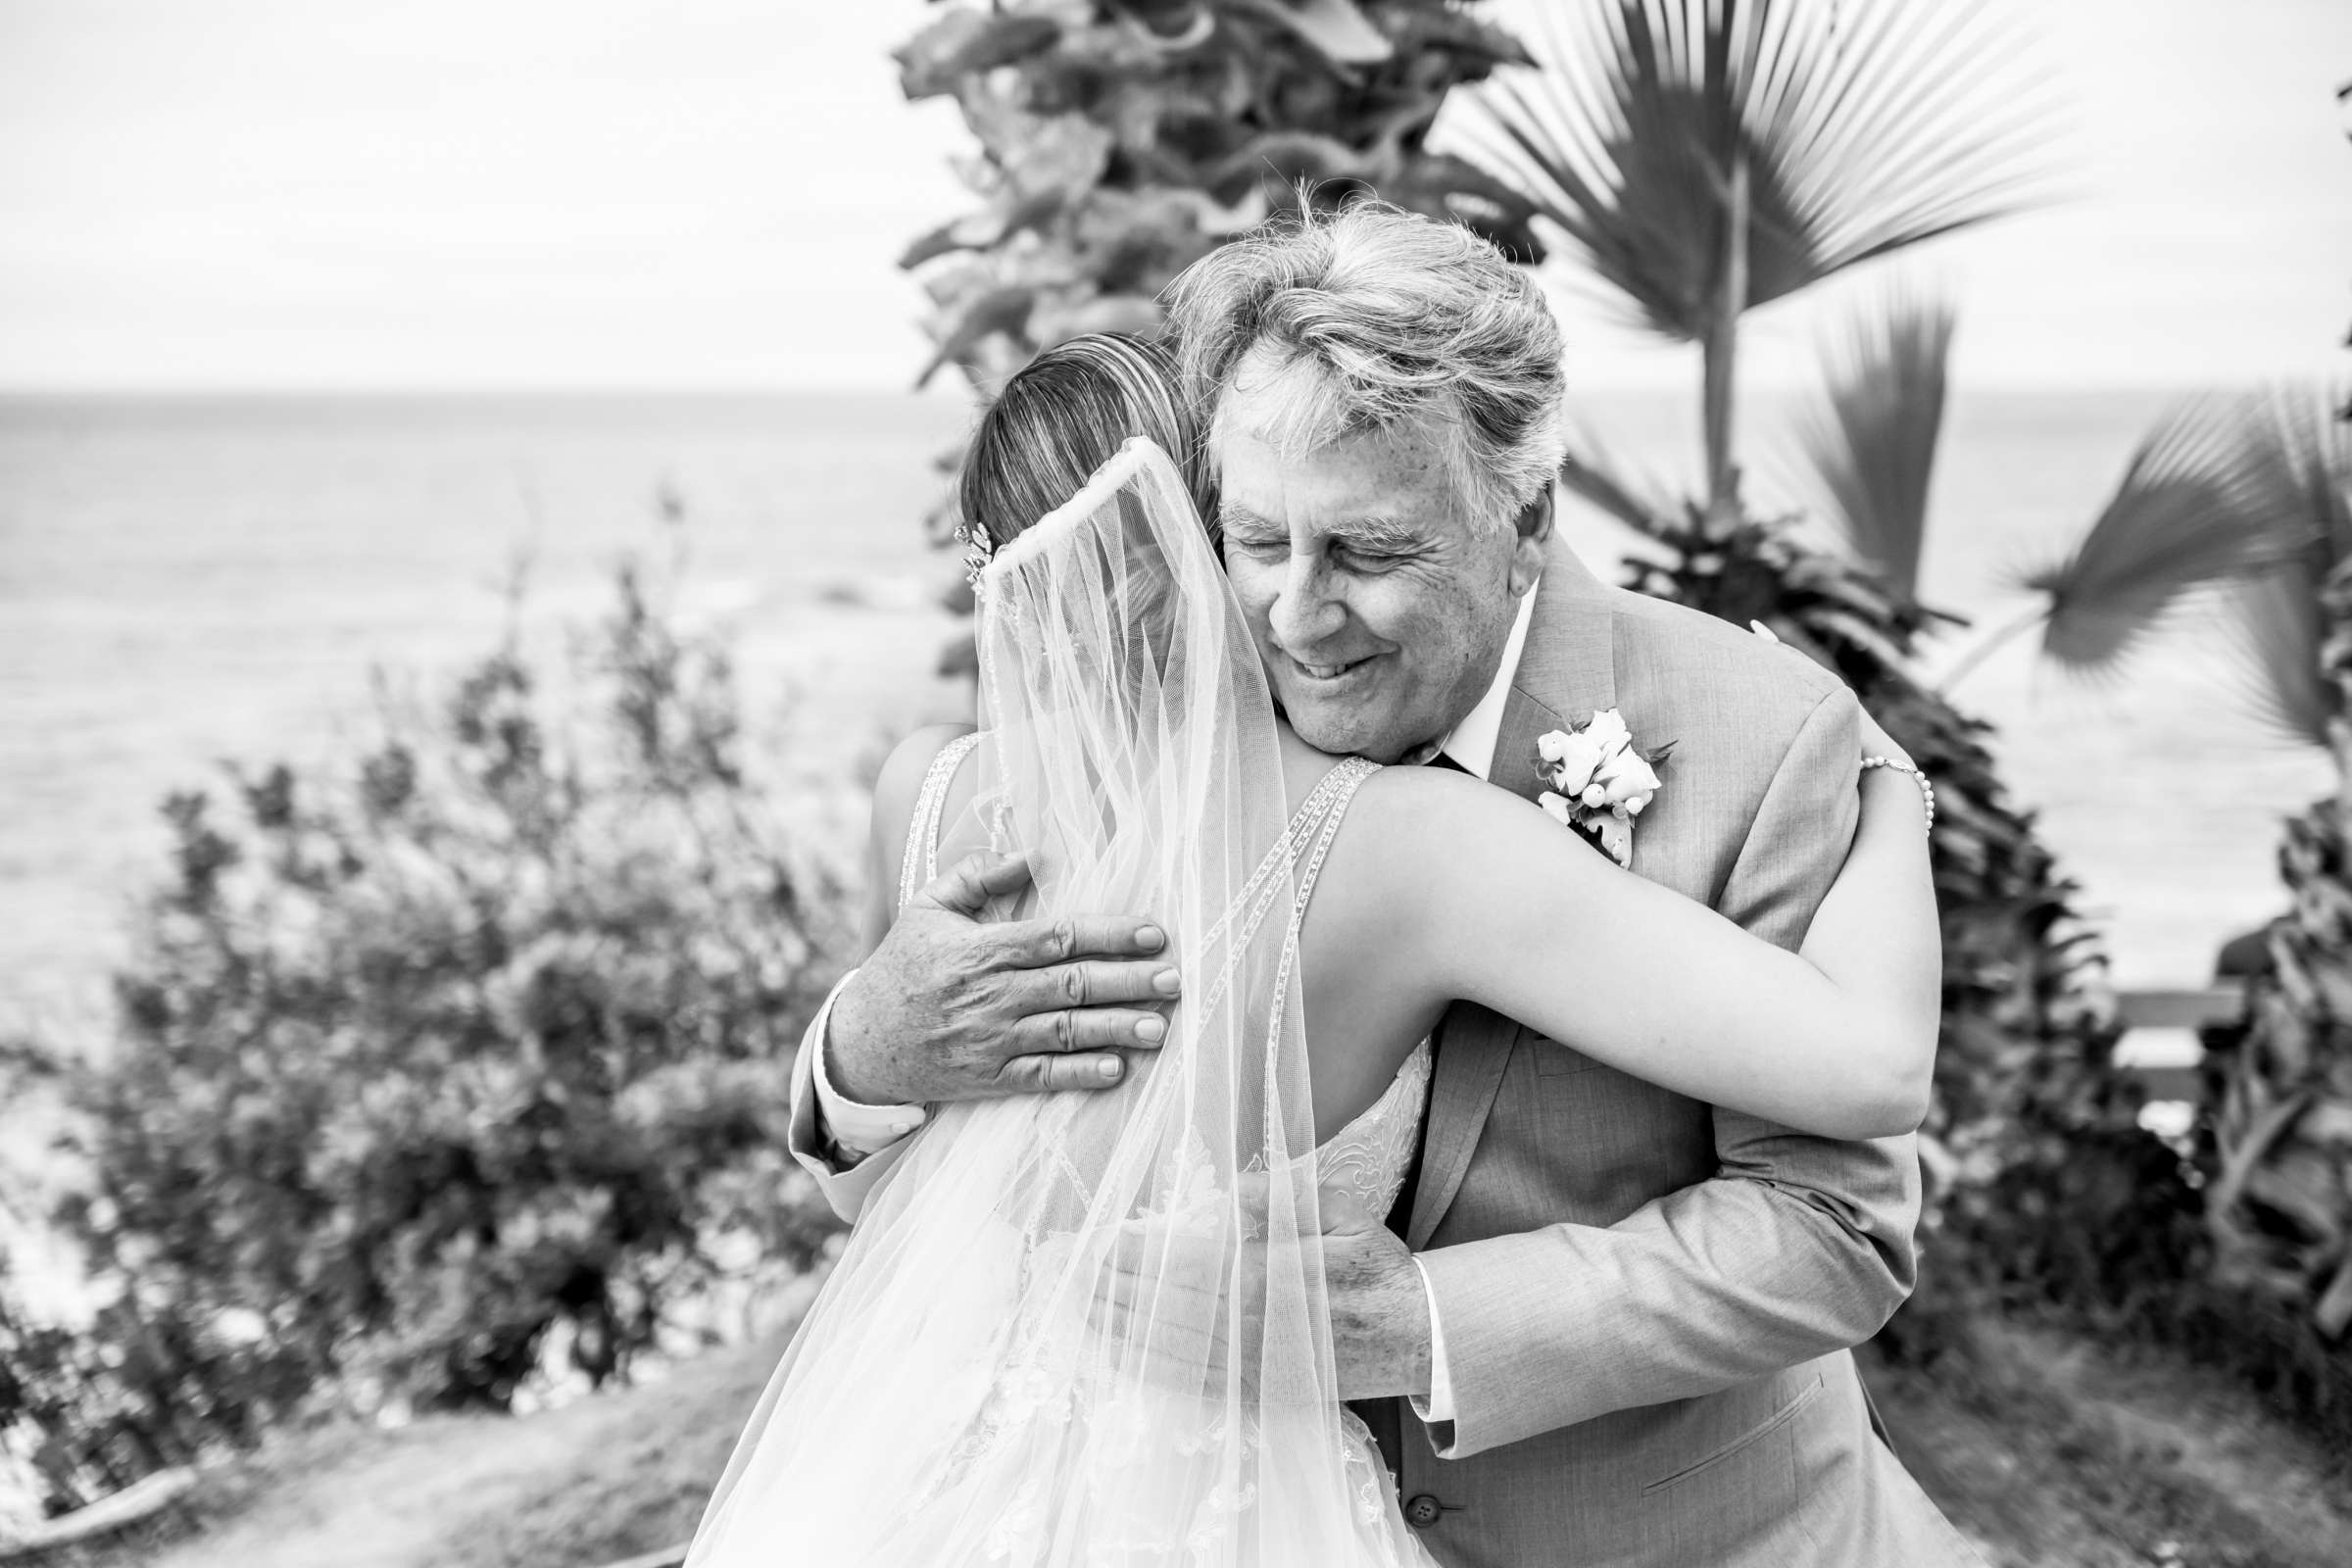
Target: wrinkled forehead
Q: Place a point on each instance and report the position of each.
(1363, 490)
(1287, 449)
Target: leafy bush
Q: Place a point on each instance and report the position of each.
(461, 1058)
(2274, 1144)
(1118, 143)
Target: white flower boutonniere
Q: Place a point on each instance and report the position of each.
(1600, 782)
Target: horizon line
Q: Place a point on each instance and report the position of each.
(464, 392)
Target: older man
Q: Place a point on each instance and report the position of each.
(1621, 1331)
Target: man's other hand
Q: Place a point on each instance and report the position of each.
(950, 1007)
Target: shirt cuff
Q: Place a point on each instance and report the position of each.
(853, 1130)
(1438, 1406)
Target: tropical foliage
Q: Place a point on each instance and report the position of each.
(1707, 157)
(1711, 156)
(2279, 1201)
(2291, 470)
(1869, 443)
(2207, 502)
(454, 1062)
(1118, 142)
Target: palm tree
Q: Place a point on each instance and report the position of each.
(1706, 157)
(1710, 156)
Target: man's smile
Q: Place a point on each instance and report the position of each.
(1317, 674)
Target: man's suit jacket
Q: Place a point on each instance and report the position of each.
(1646, 1302)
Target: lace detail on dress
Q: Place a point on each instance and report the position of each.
(1370, 1155)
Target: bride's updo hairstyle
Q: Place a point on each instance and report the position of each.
(1060, 418)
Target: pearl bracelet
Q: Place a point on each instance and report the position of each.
(1926, 791)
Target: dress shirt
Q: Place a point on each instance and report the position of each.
(856, 1131)
(852, 1128)
(1471, 748)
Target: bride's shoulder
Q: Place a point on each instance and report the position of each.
(1414, 805)
(1405, 787)
(901, 781)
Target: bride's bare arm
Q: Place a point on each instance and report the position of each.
(1493, 902)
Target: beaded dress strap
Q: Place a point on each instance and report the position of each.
(1292, 863)
(920, 864)
(1320, 817)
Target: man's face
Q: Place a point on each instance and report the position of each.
(1379, 606)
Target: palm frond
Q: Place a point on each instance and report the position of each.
(1869, 444)
(2300, 470)
(2275, 630)
(1631, 499)
(1864, 128)
(2193, 512)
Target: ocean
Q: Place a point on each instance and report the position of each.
(184, 582)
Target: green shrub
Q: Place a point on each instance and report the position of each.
(459, 1057)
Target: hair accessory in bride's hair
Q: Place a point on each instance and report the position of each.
(979, 550)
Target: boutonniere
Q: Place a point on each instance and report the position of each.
(1601, 780)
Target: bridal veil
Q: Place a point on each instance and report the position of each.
(1090, 1329)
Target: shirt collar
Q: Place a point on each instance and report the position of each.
(1472, 742)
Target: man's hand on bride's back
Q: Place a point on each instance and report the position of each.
(951, 1008)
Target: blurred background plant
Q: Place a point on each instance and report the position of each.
(447, 1069)
(1709, 158)
(1119, 142)
(2273, 1136)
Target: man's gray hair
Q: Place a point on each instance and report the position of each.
(1372, 318)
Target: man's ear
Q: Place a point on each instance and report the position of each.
(1534, 528)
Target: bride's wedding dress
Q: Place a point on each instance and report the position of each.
(1090, 1329)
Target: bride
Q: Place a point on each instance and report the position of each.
(1090, 1329)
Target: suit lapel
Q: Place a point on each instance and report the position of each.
(1568, 669)
(1569, 659)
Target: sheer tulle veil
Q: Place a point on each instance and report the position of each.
(1087, 1328)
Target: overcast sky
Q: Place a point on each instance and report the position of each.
(710, 193)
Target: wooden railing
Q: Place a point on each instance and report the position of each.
(2172, 1074)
